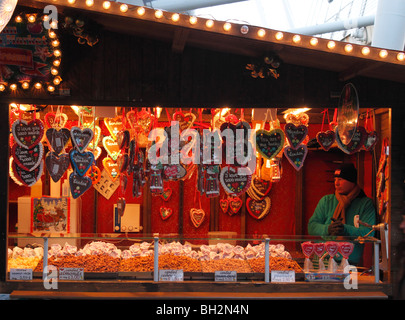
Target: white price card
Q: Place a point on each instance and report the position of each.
(20, 274)
(171, 275)
(225, 276)
(71, 274)
(282, 276)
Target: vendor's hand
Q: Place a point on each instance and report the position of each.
(336, 228)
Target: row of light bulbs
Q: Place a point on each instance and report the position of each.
(25, 84)
(261, 33)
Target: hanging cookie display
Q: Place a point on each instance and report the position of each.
(295, 134)
(197, 216)
(81, 138)
(234, 181)
(27, 178)
(27, 159)
(114, 125)
(326, 138)
(58, 138)
(28, 134)
(57, 164)
(258, 209)
(165, 212)
(235, 204)
(372, 138)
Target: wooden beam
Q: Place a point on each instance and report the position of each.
(179, 40)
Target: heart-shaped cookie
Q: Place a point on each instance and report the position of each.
(81, 161)
(111, 167)
(114, 125)
(331, 248)
(145, 121)
(57, 139)
(174, 172)
(28, 134)
(165, 212)
(111, 146)
(81, 138)
(319, 248)
(233, 182)
(131, 118)
(260, 187)
(370, 141)
(296, 157)
(27, 178)
(258, 209)
(28, 159)
(57, 164)
(166, 194)
(346, 249)
(325, 139)
(78, 185)
(355, 144)
(224, 204)
(269, 143)
(307, 248)
(235, 203)
(295, 134)
(96, 137)
(197, 216)
(186, 120)
(53, 120)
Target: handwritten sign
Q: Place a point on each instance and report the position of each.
(71, 274)
(225, 276)
(171, 275)
(282, 276)
(20, 274)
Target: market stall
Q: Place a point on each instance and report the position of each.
(162, 154)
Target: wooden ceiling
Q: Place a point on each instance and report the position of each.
(182, 36)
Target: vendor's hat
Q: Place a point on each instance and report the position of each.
(347, 171)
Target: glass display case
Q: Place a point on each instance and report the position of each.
(171, 257)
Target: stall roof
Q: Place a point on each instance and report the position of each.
(321, 54)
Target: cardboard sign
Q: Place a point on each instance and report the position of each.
(171, 275)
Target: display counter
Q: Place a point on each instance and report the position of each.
(169, 266)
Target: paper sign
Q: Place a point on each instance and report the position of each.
(282, 276)
(20, 274)
(171, 275)
(225, 276)
(71, 274)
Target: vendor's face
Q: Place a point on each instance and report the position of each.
(343, 186)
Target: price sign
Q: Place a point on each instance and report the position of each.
(20, 274)
(282, 276)
(171, 275)
(71, 274)
(225, 276)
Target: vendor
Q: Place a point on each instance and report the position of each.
(334, 215)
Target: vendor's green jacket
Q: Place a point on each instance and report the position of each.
(362, 206)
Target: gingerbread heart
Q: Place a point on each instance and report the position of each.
(57, 164)
(233, 181)
(307, 248)
(355, 144)
(295, 134)
(296, 157)
(269, 143)
(235, 203)
(166, 194)
(131, 118)
(111, 146)
(332, 248)
(81, 138)
(174, 172)
(165, 212)
(197, 216)
(258, 209)
(370, 141)
(145, 121)
(111, 167)
(27, 159)
(81, 161)
(57, 139)
(260, 187)
(325, 139)
(27, 178)
(96, 137)
(55, 120)
(28, 134)
(186, 120)
(114, 125)
(224, 204)
(78, 185)
(346, 249)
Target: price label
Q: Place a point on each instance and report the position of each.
(225, 276)
(71, 274)
(171, 275)
(20, 274)
(282, 276)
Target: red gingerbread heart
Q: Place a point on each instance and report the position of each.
(235, 203)
(325, 139)
(165, 212)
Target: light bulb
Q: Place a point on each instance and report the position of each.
(261, 33)
(193, 20)
(401, 56)
(279, 35)
(331, 45)
(141, 11)
(365, 51)
(89, 3)
(348, 48)
(123, 8)
(227, 26)
(106, 5)
(56, 63)
(175, 17)
(31, 18)
(54, 71)
(313, 41)
(158, 14)
(2, 87)
(18, 19)
(296, 38)
(13, 86)
(25, 85)
(51, 88)
(38, 86)
(71, 1)
(383, 54)
(55, 43)
(57, 53)
(209, 23)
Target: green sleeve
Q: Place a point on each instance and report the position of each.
(320, 220)
(367, 214)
